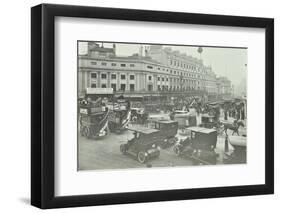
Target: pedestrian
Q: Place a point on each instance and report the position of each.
(225, 115)
(243, 113)
(238, 114)
(217, 113)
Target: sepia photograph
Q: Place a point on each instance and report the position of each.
(143, 105)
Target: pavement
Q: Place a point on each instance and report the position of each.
(104, 153)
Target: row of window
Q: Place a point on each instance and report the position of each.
(113, 76)
(114, 86)
(132, 77)
(176, 80)
(112, 64)
(149, 87)
(193, 68)
(176, 63)
(176, 88)
(132, 86)
(177, 72)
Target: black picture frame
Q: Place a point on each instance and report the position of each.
(43, 105)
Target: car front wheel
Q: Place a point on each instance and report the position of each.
(141, 157)
(177, 150)
(123, 149)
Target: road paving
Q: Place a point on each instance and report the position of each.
(104, 153)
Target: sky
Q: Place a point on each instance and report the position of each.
(229, 62)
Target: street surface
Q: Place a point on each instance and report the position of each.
(104, 153)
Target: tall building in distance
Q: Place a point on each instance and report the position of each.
(224, 86)
(153, 71)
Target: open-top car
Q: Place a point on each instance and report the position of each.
(144, 144)
(199, 146)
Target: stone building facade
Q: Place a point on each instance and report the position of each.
(158, 71)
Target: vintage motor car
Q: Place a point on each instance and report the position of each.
(93, 121)
(119, 115)
(199, 146)
(178, 114)
(208, 121)
(144, 144)
(167, 132)
(239, 154)
(184, 118)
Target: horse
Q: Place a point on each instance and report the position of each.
(234, 127)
